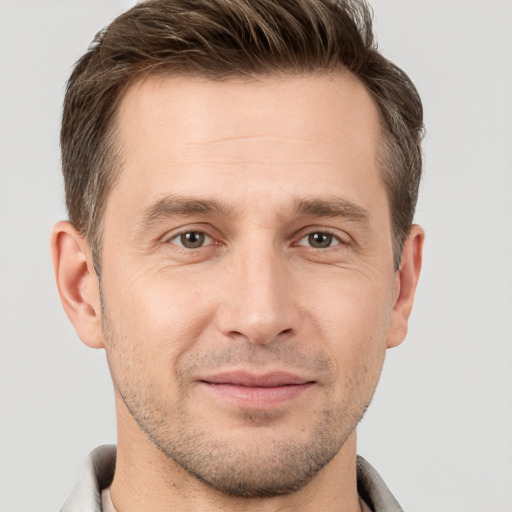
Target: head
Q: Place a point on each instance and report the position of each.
(241, 179)
(219, 40)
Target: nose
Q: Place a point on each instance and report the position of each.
(258, 301)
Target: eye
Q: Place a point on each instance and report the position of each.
(320, 240)
(191, 239)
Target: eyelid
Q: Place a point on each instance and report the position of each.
(342, 237)
(207, 241)
(171, 236)
(342, 240)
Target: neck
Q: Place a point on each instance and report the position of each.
(147, 480)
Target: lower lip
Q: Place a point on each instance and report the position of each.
(256, 397)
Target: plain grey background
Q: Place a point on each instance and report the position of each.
(440, 427)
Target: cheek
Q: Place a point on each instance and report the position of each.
(153, 321)
(353, 316)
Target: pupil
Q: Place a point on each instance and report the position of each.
(192, 239)
(320, 240)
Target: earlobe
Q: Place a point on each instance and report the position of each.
(406, 281)
(77, 282)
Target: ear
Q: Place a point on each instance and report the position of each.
(406, 280)
(77, 282)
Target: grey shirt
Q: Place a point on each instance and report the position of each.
(99, 472)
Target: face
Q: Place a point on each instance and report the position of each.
(247, 274)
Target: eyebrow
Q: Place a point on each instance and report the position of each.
(178, 206)
(331, 208)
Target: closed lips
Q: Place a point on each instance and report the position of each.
(246, 379)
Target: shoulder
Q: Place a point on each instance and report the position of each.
(373, 490)
(97, 474)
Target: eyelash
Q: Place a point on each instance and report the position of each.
(187, 232)
(325, 232)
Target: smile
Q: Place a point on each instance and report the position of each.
(257, 391)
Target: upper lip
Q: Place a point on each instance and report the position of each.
(250, 379)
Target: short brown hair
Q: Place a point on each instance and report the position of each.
(220, 39)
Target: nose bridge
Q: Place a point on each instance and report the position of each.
(258, 305)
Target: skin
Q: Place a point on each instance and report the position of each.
(277, 185)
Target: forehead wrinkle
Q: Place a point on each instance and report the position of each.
(236, 139)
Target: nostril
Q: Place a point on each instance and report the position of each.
(286, 331)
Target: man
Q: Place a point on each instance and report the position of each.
(241, 178)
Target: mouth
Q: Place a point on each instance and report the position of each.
(257, 391)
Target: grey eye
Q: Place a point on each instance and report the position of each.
(319, 240)
(192, 239)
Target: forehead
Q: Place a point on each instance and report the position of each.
(182, 134)
(327, 108)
